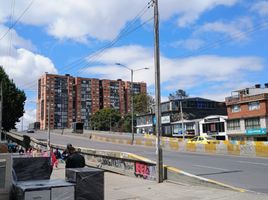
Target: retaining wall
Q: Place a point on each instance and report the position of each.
(133, 165)
(237, 148)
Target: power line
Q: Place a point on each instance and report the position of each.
(94, 56)
(99, 54)
(18, 19)
(126, 31)
(227, 39)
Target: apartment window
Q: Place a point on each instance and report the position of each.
(236, 108)
(252, 123)
(254, 105)
(233, 124)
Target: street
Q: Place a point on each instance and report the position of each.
(247, 173)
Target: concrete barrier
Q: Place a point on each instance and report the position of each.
(236, 148)
(137, 166)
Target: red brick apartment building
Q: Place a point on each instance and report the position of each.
(248, 114)
(75, 99)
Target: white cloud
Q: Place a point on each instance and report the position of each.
(28, 117)
(17, 41)
(85, 19)
(236, 29)
(175, 73)
(190, 44)
(189, 11)
(261, 7)
(20, 63)
(220, 91)
(26, 67)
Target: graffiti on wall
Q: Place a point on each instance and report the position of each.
(115, 163)
(118, 163)
(145, 170)
(138, 168)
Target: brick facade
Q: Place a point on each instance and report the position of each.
(248, 114)
(76, 99)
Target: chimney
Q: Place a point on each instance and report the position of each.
(258, 86)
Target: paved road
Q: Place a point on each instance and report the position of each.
(243, 172)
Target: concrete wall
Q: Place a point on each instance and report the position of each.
(243, 148)
(133, 165)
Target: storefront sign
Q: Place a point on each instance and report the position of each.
(256, 131)
(212, 120)
(154, 120)
(165, 119)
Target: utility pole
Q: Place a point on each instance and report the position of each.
(1, 105)
(132, 110)
(182, 122)
(159, 163)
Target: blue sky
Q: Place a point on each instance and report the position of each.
(208, 47)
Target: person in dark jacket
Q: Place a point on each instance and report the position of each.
(66, 152)
(75, 159)
(57, 153)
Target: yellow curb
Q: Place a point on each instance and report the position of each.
(135, 156)
(208, 180)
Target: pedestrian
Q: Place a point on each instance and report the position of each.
(66, 153)
(54, 161)
(57, 154)
(75, 159)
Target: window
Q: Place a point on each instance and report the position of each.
(236, 108)
(252, 123)
(254, 105)
(213, 127)
(233, 124)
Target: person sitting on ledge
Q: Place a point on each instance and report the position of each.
(75, 159)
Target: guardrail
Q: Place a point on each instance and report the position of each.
(134, 165)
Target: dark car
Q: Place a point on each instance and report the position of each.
(30, 131)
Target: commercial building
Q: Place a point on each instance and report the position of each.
(248, 114)
(183, 116)
(76, 99)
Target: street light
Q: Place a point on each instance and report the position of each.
(131, 89)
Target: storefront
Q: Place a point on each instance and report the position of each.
(214, 126)
(256, 134)
(190, 128)
(145, 124)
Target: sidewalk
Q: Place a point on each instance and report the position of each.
(119, 187)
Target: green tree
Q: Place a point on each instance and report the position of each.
(179, 94)
(105, 119)
(126, 123)
(13, 102)
(142, 103)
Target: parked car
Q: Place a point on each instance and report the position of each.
(203, 140)
(30, 131)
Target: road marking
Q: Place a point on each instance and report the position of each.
(211, 167)
(254, 163)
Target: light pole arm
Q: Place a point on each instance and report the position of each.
(131, 93)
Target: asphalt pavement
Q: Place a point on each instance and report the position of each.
(243, 172)
(119, 187)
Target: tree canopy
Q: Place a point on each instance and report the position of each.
(179, 94)
(142, 103)
(105, 119)
(110, 119)
(13, 102)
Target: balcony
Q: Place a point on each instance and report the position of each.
(238, 99)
